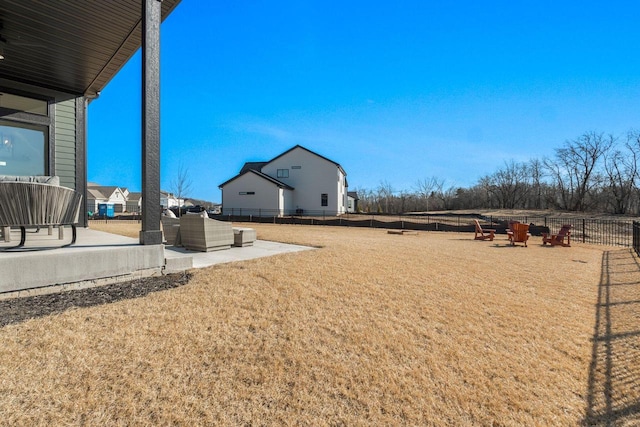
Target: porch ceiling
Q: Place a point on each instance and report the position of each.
(74, 46)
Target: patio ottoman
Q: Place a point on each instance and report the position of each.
(243, 236)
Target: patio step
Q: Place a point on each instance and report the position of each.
(176, 264)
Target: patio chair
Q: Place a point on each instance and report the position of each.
(518, 232)
(35, 202)
(558, 239)
(205, 234)
(171, 230)
(482, 234)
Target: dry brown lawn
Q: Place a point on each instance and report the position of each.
(124, 228)
(367, 329)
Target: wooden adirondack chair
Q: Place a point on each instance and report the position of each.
(481, 234)
(518, 232)
(558, 239)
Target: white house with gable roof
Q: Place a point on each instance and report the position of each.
(113, 195)
(298, 181)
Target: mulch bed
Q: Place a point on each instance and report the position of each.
(18, 310)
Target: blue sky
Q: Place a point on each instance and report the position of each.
(395, 92)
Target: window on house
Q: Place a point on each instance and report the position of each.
(23, 149)
(283, 173)
(247, 193)
(296, 167)
(324, 199)
(24, 135)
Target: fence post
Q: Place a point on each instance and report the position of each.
(584, 229)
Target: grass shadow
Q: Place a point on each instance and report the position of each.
(613, 395)
(16, 310)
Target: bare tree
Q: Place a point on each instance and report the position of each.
(509, 185)
(427, 188)
(574, 169)
(536, 173)
(621, 172)
(448, 196)
(385, 193)
(181, 184)
(587, 172)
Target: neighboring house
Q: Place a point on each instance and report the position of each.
(168, 200)
(97, 194)
(94, 198)
(134, 202)
(125, 201)
(297, 181)
(352, 201)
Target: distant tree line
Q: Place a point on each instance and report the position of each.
(594, 172)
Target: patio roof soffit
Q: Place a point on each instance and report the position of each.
(70, 46)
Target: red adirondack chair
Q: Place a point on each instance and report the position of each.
(558, 239)
(481, 234)
(518, 232)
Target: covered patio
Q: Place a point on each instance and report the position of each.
(55, 58)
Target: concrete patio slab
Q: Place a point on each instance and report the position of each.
(98, 258)
(95, 258)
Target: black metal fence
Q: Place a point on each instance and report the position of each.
(583, 230)
(636, 237)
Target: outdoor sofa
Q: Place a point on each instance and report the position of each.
(198, 232)
(205, 234)
(37, 201)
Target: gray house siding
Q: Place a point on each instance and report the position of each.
(65, 142)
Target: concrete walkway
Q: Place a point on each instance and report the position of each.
(260, 248)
